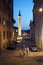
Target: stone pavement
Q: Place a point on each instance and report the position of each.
(16, 53)
(34, 54)
(12, 56)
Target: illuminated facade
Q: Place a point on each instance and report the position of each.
(38, 21)
(6, 22)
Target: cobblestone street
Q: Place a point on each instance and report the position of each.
(16, 53)
(13, 57)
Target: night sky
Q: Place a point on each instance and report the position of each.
(25, 7)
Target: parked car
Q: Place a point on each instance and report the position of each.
(34, 49)
(13, 45)
(10, 47)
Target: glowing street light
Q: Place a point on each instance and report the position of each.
(40, 9)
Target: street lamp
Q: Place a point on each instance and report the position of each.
(40, 9)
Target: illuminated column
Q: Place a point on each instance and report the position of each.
(19, 37)
(19, 24)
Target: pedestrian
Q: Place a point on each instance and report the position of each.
(21, 53)
(27, 50)
(24, 51)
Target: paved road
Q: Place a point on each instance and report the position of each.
(16, 53)
(13, 58)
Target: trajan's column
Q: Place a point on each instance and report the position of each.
(19, 24)
(19, 27)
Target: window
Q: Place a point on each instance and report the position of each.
(7, 34)
(0, 37)
(5, 8)
(3, 21)
(9, 1)
(0, 20)
(0, 3)
(4, 35)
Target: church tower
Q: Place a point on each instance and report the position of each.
(19, 24)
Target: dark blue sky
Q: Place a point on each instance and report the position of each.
(25, 6)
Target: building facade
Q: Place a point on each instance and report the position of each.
(32, 33)
(15, 33)
(38, 22)
(25, 34)
(6, 22)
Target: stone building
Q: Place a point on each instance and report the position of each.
(15, 32)
(32, 33)
(6, 23)
(25, 34)
(38, 22)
